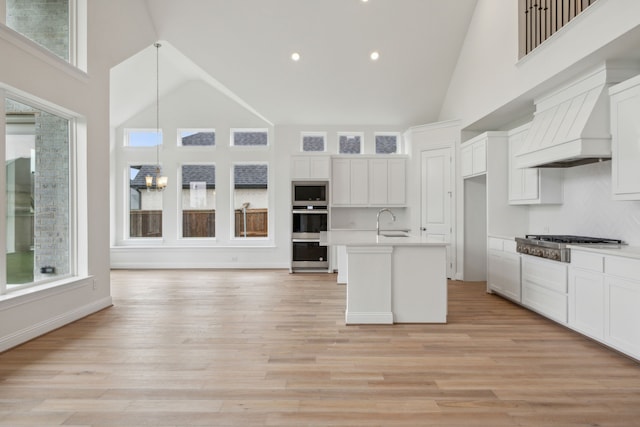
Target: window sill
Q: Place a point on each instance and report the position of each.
(37, 292)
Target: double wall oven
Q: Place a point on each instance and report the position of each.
(310, 216)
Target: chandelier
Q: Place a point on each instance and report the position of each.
(160, 180)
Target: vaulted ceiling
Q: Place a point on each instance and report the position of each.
(244, 48)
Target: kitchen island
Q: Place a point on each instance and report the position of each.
(393, 279)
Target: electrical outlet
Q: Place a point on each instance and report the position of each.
(546, 229)
(234, 259)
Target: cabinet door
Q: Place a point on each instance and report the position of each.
(378, 182)
(479, 157)
(625, 110)
(397, 181)
(466, 161)
(300, 167)
(586, 302)
(359, 191)
(341, 182)
(319, 167)
(622, 316)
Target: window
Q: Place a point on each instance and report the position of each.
(249, 137)
(350, 143)
(387, 143)
(196, 138)
(145, 206)
(250, 200)
(198, 196)
(143, 137)
(39, 219)
(313, 141)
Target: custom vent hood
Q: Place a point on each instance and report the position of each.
(571, 125)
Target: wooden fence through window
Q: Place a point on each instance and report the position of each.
(257, 223)
(145, 223)
(199, 223)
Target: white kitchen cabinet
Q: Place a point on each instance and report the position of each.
(586, 294)
(622, 304)
(370, 181)
(503, 269)
(473, 156)
(544, 287)
(531, 186)
(625, 146)
(387, 182)
(310, 167)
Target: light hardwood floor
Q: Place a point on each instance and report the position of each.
(267, 348)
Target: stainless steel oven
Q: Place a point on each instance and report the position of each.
(309, 254)
(309, 221)
(310, 193)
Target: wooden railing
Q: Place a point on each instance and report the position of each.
(257, 223)
(540, 19)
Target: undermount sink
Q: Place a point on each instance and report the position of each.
(394, 233)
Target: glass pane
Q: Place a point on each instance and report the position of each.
(350, 144)
(37, 193)
(44, 22)
(312, 143)
(145, 206)
(250, 200)
(191, 138)
(144, 138)
(386, 144)
(249, 138)
(198, 201)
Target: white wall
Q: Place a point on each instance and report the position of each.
(41, 78)
(588, 209)
(489, 76)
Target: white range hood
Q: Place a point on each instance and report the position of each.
(571, 125)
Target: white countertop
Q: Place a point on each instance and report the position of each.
(617, 250)
(369, 238)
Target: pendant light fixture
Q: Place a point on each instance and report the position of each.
(160, 180)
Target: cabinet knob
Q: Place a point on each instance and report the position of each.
(423, 228)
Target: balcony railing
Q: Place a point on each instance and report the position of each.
(540, 19)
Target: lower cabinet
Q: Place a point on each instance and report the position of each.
(544, 287)
(604, 300)
(503, 268)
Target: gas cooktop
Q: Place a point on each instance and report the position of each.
(569, 239)
(554, 247)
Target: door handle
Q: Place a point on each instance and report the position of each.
(423, 228)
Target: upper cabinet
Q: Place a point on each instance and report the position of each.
(370, 181)
(473, 156)
(625, 132)
(310, 167)
(531, 186)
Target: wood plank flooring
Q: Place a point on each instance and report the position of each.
(267, 348)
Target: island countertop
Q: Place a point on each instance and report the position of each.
(370, 238)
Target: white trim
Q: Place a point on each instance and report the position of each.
(3, 186)
(27, 45)
(384, 318)
(36, 330)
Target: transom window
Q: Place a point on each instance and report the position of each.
(197, 138)
(387, 143)
(143, 137)
(350, 143)
(314, 141)
(249, 137)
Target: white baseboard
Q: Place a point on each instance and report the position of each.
(34, 331)
(383, 318)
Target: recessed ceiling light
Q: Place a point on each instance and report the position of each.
(295, 56)
(364, 1)
(375, 55)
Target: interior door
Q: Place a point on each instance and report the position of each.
(436, 198)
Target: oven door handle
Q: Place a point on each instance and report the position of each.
(310, 211)
(305, 240)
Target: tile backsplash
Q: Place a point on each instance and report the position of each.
(588, 209)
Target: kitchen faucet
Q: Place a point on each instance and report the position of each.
(378, 218)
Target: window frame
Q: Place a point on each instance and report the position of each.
(232, 200)
(179, 217)
(126, 231)
(77, 204)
